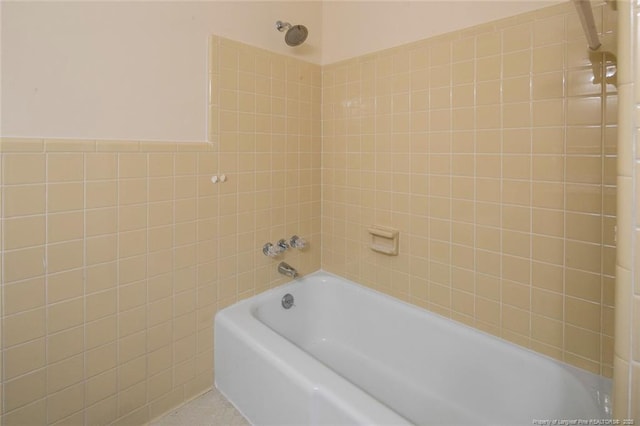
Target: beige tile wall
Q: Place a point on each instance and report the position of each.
(117, 254)
(487, 149)
(107, 278)
(633, 315)
(626, 392)
(493, 151)
(265, 118)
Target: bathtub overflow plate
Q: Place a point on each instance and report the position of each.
(287, 301)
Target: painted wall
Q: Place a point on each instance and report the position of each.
(137, 70)
(127, 70)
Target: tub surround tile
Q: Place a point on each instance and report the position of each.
(624, 306)
(626, 316)
(124, 236)
(499, 174)
(635, 390)
(496, 215)
(621, 387)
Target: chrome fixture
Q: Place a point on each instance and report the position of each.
(283, 244)
(288, 270)
(272, 251)
(583, 7)
(287, 301)
(297, 242)
(295, 34)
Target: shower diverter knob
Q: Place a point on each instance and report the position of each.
(297, 242)
(270, 250)
(283, 244)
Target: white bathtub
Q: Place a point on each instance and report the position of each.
(345, 354)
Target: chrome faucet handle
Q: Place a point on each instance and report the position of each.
(283, 244)
(298, 242)
(272, 251)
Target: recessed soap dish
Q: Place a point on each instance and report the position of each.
(384, 240)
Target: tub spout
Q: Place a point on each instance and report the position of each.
(288, 270)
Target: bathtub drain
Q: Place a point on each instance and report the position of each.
(287, 301)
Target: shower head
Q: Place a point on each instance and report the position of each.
(295, 34)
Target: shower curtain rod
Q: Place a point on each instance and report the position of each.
(588, 24)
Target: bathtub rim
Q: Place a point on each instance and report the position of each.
(600, 384)
(255, 299)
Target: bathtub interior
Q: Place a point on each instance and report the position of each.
(455, 374)
(272, 382)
